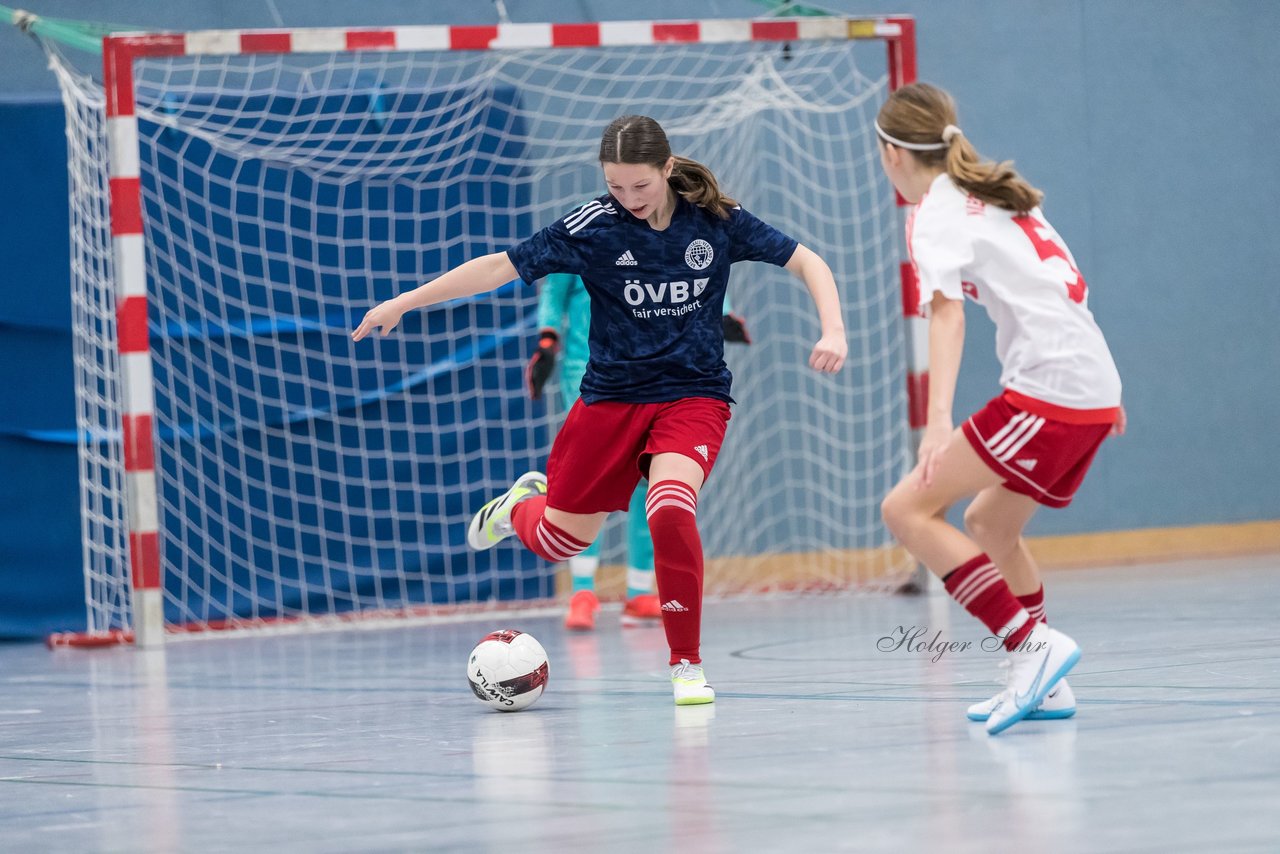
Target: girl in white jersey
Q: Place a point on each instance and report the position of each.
(979, 233)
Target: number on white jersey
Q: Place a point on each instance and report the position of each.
(1048, 248)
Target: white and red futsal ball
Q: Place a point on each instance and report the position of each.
(508, 670)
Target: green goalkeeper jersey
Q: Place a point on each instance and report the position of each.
(565, 306)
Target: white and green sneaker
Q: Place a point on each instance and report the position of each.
(690, 684)
(492, 524)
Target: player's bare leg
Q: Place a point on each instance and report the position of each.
(916, 513)
(995, 521)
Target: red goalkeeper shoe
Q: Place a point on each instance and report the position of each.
(641, 610)
(583, 606)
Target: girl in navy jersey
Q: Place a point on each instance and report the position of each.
(979, 233)
(654, 254)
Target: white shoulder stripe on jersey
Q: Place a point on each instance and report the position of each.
(573, 218)
(582, 224)
(587, 211)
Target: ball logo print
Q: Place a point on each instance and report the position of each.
(508, 670)
(699, 254)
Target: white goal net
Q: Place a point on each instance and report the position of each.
(301, 475)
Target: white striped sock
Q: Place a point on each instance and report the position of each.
(555, 543)
(980, 576)
(671, 494)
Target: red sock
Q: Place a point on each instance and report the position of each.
(1034, 603)
(978, 586)
(672, 508)
(540, 536)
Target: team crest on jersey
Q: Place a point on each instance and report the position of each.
(699, 254)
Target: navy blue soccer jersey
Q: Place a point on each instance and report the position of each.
(656, 296)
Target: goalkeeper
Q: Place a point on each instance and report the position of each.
(564, 316)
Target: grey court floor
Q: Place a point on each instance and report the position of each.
(820, 740)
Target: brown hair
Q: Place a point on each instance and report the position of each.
(640, 139)
(919, 113)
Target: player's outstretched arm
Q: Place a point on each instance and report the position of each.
(477, 276)
(829, 353)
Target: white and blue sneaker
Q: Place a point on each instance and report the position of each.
(492, 524)
(1035, 667)
(1060, 703)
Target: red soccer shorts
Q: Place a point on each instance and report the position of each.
(603, 450)
(1039, 456)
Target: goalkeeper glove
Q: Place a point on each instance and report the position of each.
(735, 329)
(543, 362)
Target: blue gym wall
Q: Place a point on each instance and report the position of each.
(1151, 125)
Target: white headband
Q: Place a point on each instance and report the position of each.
(949, 133)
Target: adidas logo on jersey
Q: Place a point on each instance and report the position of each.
(673, 605)
(702, 449)
(1026, 464)
(626, 259)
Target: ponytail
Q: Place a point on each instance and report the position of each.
(994, 183)
(920, 119)
(698, 185)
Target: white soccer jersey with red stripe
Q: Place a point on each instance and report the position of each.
(1021, 272)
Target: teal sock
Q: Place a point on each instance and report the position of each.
(639, 582)
(639, 546)
(583, 570)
